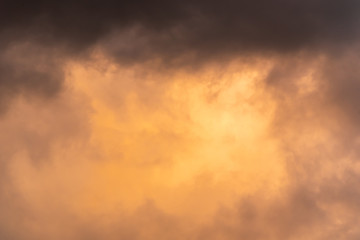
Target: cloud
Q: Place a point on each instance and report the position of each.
(173, 32)
(132, 153)
(204, 26)
(179, 120)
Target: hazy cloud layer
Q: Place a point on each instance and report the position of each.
(179, 120)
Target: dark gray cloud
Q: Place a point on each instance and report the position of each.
(30, 71)
(204, 26)
(136, 30)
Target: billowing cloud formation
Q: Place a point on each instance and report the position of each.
(179, 120)
(167, 30)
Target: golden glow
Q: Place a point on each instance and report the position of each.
(182, 143)
(180, 140)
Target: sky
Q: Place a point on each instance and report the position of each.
(179, 119)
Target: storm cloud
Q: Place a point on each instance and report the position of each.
(179, 119)
(132, 31)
